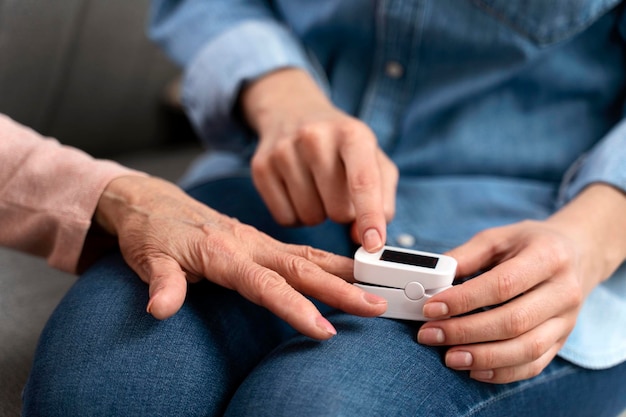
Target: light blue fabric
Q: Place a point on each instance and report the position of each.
(494, 110)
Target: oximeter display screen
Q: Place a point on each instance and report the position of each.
(409, 259)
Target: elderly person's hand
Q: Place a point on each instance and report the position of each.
(537, 276)
(170, 239)
(314, 161)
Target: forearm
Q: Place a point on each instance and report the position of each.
(49, 194)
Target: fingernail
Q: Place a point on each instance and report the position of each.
(459, 359)
(149, 306)
(372, 240)
(374, 299)
(153, 297)
(436, 309)
(325, 325)
(431, 336)
(482, 375)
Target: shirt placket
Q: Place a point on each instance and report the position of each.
(396, 60)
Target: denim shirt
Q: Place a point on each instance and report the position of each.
(494, 111)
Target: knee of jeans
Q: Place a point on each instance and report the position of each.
(114, 385)
(372, 367)
(102, 354)
(168, 372)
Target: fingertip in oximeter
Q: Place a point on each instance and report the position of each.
(405, 278)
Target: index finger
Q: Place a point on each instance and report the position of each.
(500, 284)
(307, 271)
(365, 188)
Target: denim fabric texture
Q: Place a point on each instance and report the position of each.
(494, 111)
(101, 354)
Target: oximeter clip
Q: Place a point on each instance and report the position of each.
(405, 278)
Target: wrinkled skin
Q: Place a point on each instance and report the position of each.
(170, 239)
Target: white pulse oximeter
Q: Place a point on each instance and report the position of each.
(405, 278)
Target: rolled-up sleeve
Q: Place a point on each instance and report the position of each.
(223, 45)
(604, 163)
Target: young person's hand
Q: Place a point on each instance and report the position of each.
(315, 162)
(538, 275)
(170, 239)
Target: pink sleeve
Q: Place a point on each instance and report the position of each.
(48, 194)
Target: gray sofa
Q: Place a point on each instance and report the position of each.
(85, 73)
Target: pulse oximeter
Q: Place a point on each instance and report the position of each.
(405, 278)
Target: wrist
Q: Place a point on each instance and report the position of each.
(287, 91)
(596, 219)
(129, 199)
(115, 201)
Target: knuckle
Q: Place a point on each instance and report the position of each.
(463, 303)
(488, 359)
(312, 215)
(362, 181)
(571, 297)
(340, 213)
(143, 258)
(341, 217)
(314, 254)
(393, 172)
(575, 297)
(244, 232)
(260, 166)
(310, 132)
(506, 288)
(462, 335)
(534, 369)
(310, 138)
(286, 219)
(506, 375)
(389, 212)
(556, 255)
(354, 130)
(536, 349)
(520, 320)
(266, 285)
(297, 267)
(282, 153)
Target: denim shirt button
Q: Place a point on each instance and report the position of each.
(405, 240)
(394, 69)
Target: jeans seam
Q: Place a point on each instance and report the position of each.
(520, 388)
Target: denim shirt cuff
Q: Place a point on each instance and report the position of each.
(605, 163)
(214, 78)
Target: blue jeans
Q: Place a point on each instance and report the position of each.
(101, 354)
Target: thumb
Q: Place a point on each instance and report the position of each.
(167, 287)
(479, 253)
